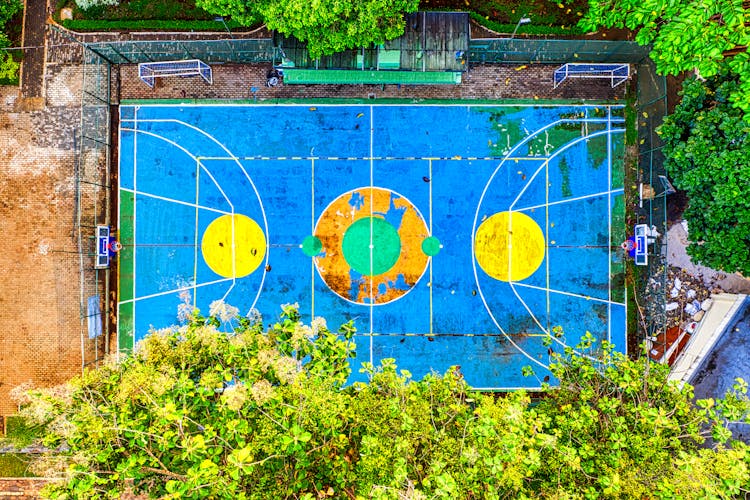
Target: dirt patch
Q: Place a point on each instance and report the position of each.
(39, 303)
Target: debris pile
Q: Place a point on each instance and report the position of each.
(687, 298)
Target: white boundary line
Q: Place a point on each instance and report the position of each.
(609, 224)
(571, 294)
(481, 199)
(176, 290)
(230, 103)
(372, 189)
(176, 202)
(566, 146)
(371, 157)
(569, 200)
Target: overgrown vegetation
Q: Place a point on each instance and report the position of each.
(709, 37)
(15, 465)
(707, 149)
(223, 408)
(9, 65)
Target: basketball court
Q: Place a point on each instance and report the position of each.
(452, 234)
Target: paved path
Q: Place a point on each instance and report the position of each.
(32, 68)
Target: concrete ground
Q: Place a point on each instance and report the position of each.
(677, 241)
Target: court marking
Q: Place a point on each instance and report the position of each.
(371, 158)
(231, 157)
(509, 156)
(545, 166)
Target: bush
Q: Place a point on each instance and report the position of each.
(707, 150)
(223, 408)
(88, 4)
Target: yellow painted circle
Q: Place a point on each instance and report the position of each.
(246, 250)
(509, 246)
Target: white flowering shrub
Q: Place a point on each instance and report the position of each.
(87, 4)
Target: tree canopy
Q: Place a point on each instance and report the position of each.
(223, 408)
(707, 150)
(708, 36)
(327, 26)
(8, 9)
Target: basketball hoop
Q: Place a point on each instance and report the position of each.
(628, 245)
(114, 246)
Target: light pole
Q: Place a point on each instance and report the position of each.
(220, 19)
(523, 20)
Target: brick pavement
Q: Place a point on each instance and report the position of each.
(484, 81)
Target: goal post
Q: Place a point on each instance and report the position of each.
(616, 73)
(148, 72)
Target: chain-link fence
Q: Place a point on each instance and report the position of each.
(253, 50)
(93, 203)
(514, 50)
(653, 188)
(93, 178)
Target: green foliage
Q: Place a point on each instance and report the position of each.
(327, 26)
(686, 35)
(196, 412)
(707, 149)
(8, 9)
(14, 465)
(20, 433)
(330, 26)
(8, 65)
(526, 29)
(164, 10)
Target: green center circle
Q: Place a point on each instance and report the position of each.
(371, 256)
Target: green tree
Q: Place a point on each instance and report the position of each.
(327, 26)
(8, 9)
(706, 36)
(707, 149)
(8, 67)
(223, 408)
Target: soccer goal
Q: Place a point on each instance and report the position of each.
(615, 73)
(150, 71)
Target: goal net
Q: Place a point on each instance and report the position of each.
(616, 73)
(148, 72)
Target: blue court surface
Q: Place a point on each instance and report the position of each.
(452, 234)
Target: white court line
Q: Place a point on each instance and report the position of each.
(197, 212)
(568, 200)
(571, 294)
(198, 161)
(176, 290)
(312, 233)
(484, 193)
(557, 152)
(249, 179)
(405, 104)
(191, 155)
(429, 187)
(177, 202)
(608, 133)
(609, 226)
(135, 205)
(372, 182)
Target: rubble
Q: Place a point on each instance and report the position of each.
(690, 296)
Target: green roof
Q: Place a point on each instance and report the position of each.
(342, 76)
